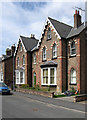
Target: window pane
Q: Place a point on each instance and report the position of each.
(52, 76)
(49, 33)
(54, 51)
(73, 76)
(45, 76)
(73, 48)
(21, 77)
(17, 77)
(23, 59)
(44, 53)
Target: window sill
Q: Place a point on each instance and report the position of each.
(54, 58)
(34, 63)
(49, 85)
(72, 56)
(72, 83)
(23, 64)
(44, 60)
(49, 39)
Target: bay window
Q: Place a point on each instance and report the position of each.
(20, 78)
(48, 76)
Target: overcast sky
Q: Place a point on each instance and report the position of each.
(25, 18)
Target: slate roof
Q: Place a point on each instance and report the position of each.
(76, 31)
(62, 29)
(29, 43)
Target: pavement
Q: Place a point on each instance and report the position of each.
(70, 99)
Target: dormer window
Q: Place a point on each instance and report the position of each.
(54, 50)
(73, 49)
(44, 53)
(49, 33)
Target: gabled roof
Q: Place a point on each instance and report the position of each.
(29, 43)
(62, 29)
(76, 31)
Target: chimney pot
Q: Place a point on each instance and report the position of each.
(75, 11)
(32, 36)
(78, 12)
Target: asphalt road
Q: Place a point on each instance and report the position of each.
(21, 105)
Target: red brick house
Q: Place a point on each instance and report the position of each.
(6, 66)
(23, 59)
(60, 57)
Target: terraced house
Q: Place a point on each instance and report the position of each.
(6, 66)
(60, 57)
(23, 60)
(57, 60)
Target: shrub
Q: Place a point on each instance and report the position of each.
(25, 86)
(15, 86)
(37, 87)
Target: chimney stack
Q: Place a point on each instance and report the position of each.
(12, 49)
(32, 36)
(77, 19)
(8, 51)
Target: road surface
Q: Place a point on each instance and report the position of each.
(21, 105)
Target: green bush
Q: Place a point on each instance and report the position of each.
(15, 86)
(56, 96)
(25, 86)
(37, 87)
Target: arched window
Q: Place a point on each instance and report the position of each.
(73, 49)
(20, 47)
(23, 60)
(44, 53)
(34, 58)
(54, 50)
(73, 76)
(34, 79)
(18, 61)
(49, 33)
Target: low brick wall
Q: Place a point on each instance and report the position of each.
(79, 98)
(42, 93)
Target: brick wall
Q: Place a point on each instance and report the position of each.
(74, 62)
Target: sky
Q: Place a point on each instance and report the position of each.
(26, 18)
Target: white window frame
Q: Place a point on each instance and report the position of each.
(1, 76)
(73, 76)
(49, 33)
(48, 76)
(20, 47)
(34, 58)
(54, 50)
(23, 60)
(44, 53)
(20, 77)
(74, 48)
(17, 61)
